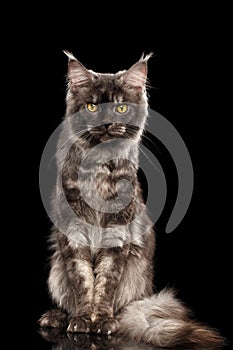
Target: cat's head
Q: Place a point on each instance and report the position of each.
(106, 106)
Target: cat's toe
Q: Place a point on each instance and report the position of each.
(79, 325)
(53, 318)
(106, 326)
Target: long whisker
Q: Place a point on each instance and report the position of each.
(144, 136)
(87, 138)
(68, 140)
(151, 162)
(131, 129)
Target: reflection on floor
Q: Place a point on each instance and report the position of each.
(61, 340)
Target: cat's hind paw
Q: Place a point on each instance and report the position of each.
(53, 318)
(106, 325)
(79, 325)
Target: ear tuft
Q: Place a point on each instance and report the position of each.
(70, 55)
(147, 57)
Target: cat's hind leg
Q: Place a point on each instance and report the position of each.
(54, 318)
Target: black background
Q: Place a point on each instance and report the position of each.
(195, 257)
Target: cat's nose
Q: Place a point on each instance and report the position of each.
(107, 125)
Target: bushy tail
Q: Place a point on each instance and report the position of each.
(164, 321)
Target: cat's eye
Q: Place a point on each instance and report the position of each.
(92, 107)
(123, 108)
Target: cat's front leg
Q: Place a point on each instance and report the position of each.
(108, 270)
(81, 277)
(71, 283)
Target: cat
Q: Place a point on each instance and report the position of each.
(101, 275)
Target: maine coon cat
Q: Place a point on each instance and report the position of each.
(102, 264)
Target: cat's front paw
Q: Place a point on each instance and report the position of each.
(79, 325)
(105, 325)
(53, 318)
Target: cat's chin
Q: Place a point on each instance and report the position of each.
(109, 137)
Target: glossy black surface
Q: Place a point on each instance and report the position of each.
(60, 340)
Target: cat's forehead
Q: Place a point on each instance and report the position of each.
(107, 79)
(107, 96)
(107, 88)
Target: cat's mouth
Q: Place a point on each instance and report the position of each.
(107, 131)
(113, 130)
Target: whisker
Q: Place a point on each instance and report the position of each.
(69, 139)
(148, 158)
(131, 130)
(144, 136)
(88, 138)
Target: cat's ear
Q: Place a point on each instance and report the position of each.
(78, 75)
(136, 76)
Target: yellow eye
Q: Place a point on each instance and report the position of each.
(92, 107)
(122, 108)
